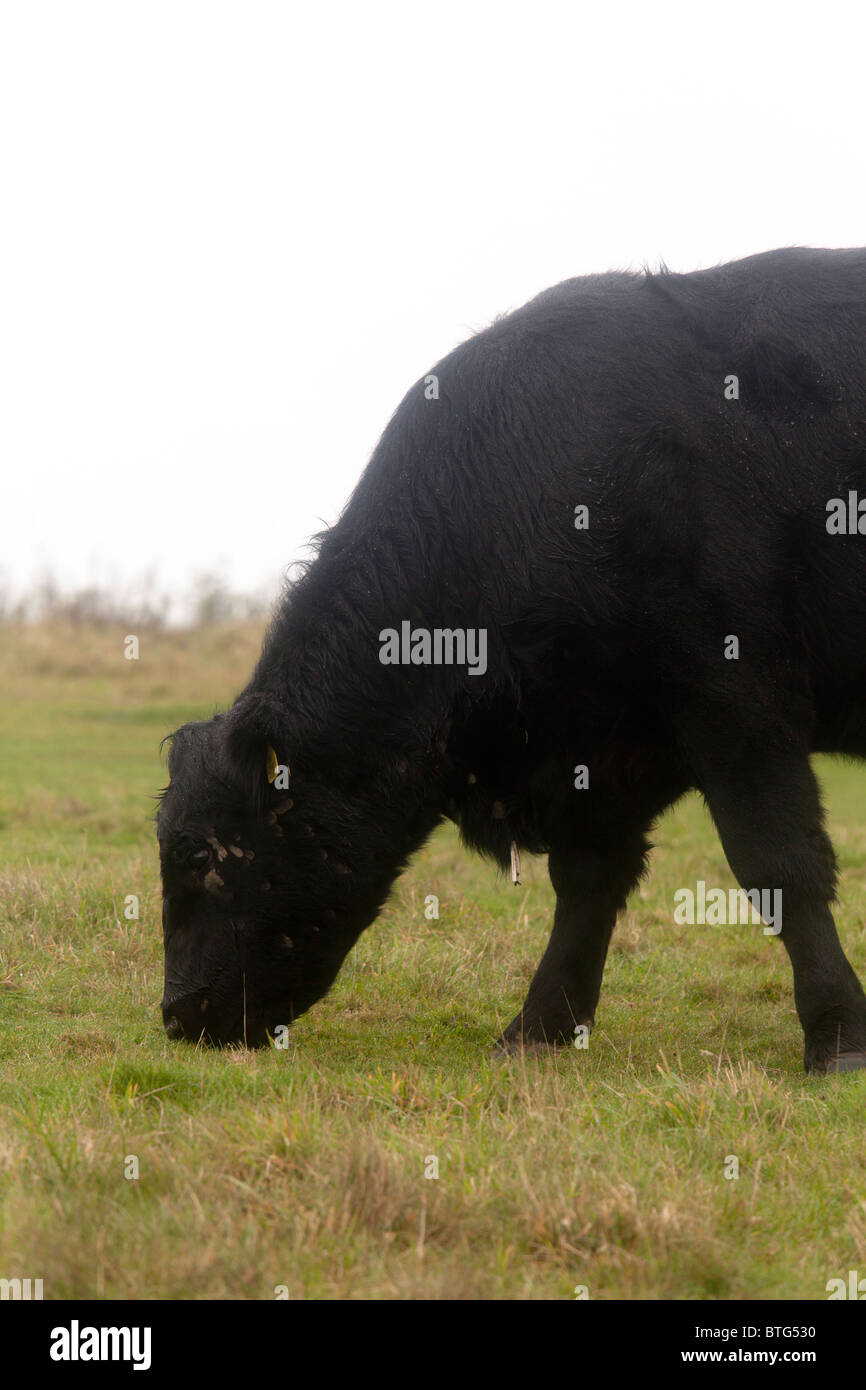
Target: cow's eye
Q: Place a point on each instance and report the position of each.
(195, 855)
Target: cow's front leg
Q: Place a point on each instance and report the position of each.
(591, 887)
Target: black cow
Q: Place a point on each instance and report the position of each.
(610, 549)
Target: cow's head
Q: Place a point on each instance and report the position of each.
(264, 882)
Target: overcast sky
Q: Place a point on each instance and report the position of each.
(233, 234)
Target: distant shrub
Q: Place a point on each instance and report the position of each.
(137, 605)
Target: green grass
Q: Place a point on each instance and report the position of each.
(305, 1168)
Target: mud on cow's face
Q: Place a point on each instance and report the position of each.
(256, 911)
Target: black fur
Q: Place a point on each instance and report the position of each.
(605, 646)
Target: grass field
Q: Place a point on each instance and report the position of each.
(305, 1169)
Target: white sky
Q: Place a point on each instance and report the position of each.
(233, 234)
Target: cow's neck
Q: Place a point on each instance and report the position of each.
(323, 657)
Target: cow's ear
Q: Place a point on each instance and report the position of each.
(255, 744)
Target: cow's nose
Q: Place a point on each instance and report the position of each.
(186, 1015)
(197, 1018)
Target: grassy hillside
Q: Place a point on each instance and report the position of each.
(602, 1168)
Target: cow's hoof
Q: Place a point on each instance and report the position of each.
(845, 1061)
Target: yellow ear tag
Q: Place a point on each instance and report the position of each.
(272, 766)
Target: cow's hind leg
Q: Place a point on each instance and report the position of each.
(591, 888)
(768, 812)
